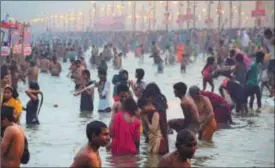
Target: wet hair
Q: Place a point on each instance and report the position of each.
(140, 73)
(72, 60)
(181, 88)
(102, 72)
(185, 142)
(210, 50)
(130, 105)
(194, 90)
(151, 90)
(142, 102)
(77, 62)
(94, 128)
(34, 86)
(210, 61)
(260, 56)
(232, 53)
(239, 57)
(7, 113)
(86, 72)
(122, 88)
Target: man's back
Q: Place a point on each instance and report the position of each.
(14, 137)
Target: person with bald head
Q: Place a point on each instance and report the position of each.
(206, 114)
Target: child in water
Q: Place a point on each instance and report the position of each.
(183, 63)
(207, 73)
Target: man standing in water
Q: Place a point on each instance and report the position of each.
(98, 136)
(55, 67)
(78, 74)
(207, 119)
(104, 88)
(44, 64)
(190, 111)
(13, 141)
(32, 73)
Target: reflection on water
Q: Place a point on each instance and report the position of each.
(61, 132)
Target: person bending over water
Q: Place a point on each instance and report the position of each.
(222, 109)
(186, 145)
(206, 113)
(13, 140)
(32, 110)
(190, 111)
(88, 156)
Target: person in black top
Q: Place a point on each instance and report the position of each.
(87, 97)
(32, 109)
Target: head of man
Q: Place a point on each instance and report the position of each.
(123, 92)
(123, 75)
(86, 75)
(194, 92)
(180, 89)
(8, 116)
(97, 133)
(186, 144)
(102, 75)
(78, 63)
(139, 73)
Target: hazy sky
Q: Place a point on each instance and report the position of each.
(27, 10)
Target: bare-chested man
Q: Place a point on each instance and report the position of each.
(78, 74)
(55, 67)
(186, 146)
(44, 64)
(13, 140)
(191, 115)
(88, 156)
(206, 113)
(32, 72)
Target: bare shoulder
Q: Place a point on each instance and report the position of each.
(165, 160)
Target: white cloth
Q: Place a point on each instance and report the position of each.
(105, 103)
(245, 39)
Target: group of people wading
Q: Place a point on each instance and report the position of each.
(139, 108)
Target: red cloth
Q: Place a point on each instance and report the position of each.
(220, 106)
(207, 73)
(124, 135)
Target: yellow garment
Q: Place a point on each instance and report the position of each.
(15, 103)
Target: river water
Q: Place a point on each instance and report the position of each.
(61, 134)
